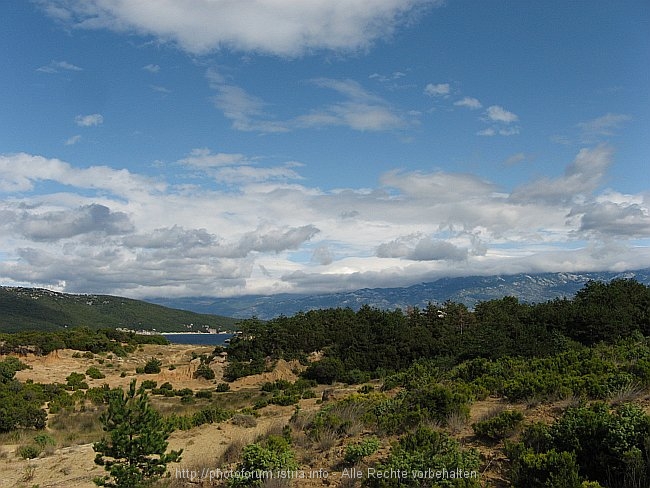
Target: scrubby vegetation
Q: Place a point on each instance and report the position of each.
(93, 341)
(419, 376)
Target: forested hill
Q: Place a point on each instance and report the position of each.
(40, 309)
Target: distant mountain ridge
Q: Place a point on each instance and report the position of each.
(527, 287)
(40, 309)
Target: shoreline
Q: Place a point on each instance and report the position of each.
(196, 333)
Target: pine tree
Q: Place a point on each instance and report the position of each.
(134, 451)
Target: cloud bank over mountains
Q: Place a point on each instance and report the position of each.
(109, 230)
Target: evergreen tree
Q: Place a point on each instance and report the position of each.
(134, 452)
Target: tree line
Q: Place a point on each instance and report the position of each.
(375, 342)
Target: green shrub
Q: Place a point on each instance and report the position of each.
(425, 450)
(549, 469)
(203, 394)
(326, 371)
(29, 451)
(356, 452)
(95, 373)
(239, 369)
(223, 387)
(44, 440)
(152, 366)
(204, 371)
(75, 381)
(149, 384)
(184, 392)
(500, 426)
(272, 455)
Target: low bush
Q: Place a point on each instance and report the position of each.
(423, 451)
(95, 373)
(500, 426)
(356, 452)
(152, 366)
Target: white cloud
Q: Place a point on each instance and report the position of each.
(499, 114)
(581, 179)
(280, 27)
(437, 90)
(204, 158)
(604, 126)
(71, 141)
(58, 66)
(107, 230)
(418, 248)
(56, 225)
(488, 132)
(89, 120)
(151, 68)
(469, 102)
(160, 89)
(515, 159)
(359, 110)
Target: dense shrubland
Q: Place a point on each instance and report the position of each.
(94, 341)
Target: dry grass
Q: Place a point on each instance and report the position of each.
(492, 412)
(244, 420)
(326, 438)
(627, 393)
(70, 428)
(456, 421)
(351, 416)
(232, 453)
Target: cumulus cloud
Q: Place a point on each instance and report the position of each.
(418, 248)
(89, 120)
(55, 225)
(581, 178)
(19, 172)
(283, 27)
(613, 219)
(469, 102)
(113, 231)
(497, 113)
(276, 240)
(437, 90)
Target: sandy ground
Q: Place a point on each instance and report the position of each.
(74, 467)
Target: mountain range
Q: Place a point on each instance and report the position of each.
(530, 288)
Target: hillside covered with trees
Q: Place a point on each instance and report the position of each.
(24, 309)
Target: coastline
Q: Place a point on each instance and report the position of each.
(196, 333)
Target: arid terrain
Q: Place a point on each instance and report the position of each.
(205, 448)
(73, 464)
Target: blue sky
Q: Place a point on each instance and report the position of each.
(169, 148)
